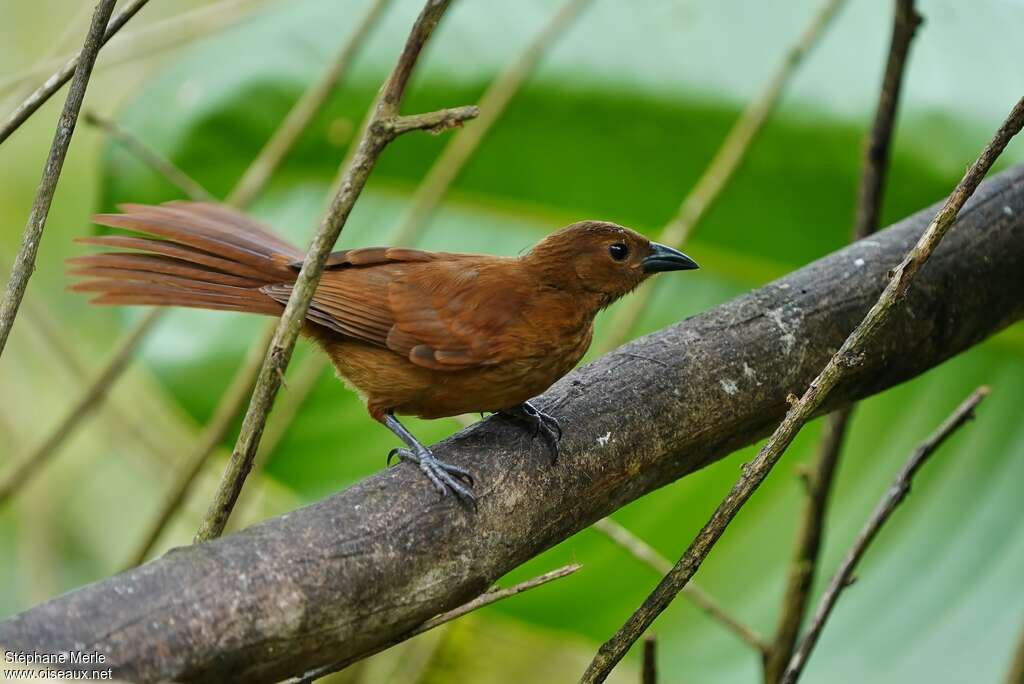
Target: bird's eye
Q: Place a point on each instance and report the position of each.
(618, 251)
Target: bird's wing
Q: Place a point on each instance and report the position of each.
(456, 314)
(442, 311)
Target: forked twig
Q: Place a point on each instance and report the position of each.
(883, 511)
(819, 481)
(384, 124)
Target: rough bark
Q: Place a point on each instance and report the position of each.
(343, 575)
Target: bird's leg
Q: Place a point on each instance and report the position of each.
(444, 476)
(543, 424)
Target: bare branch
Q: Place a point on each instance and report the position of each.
(869, 204)
(721, 169)
(302, 112)
(807, 549)
(906, 21)
(25, 262)
(375, 137)
(151, 158)
(485, 599)
(84, 404)
(841, 365)
(649, 675)
(86, 58)
(885, 508)
(493, 104)
(432, 122)
(644, 552)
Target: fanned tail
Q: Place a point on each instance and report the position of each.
(190, 254)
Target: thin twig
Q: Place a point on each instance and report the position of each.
(151, 158)
(302, 112)
(1015, 675)
(720, 171)
(649, 675)
(301, 385)
(216, 428)
(126, 346)
(37, 320)
(268, 160)
(52, 59)
(25, 262)
(98, 37)
(148, 40)
(838, 367)
(807, 549)
(906, 21)
(493, 104)
(647, 554)
(869, 205)
(384, 124)
(883, 511)
(88, 401)
(485, 599)
(40, 323)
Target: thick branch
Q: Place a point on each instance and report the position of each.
(341, 577)
(25, 262)
(886, 507)
(86, 58)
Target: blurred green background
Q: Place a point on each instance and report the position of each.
(617, 123)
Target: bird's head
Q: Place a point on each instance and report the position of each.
(603, 258)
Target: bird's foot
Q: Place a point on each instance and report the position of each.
(444, 476)
(542, 423)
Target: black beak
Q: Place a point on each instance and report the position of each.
(665, 258)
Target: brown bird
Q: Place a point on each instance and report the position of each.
(428, 334)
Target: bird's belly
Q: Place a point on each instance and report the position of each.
(389, 381)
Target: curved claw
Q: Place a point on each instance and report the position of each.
(444, 476)
(543, 424)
